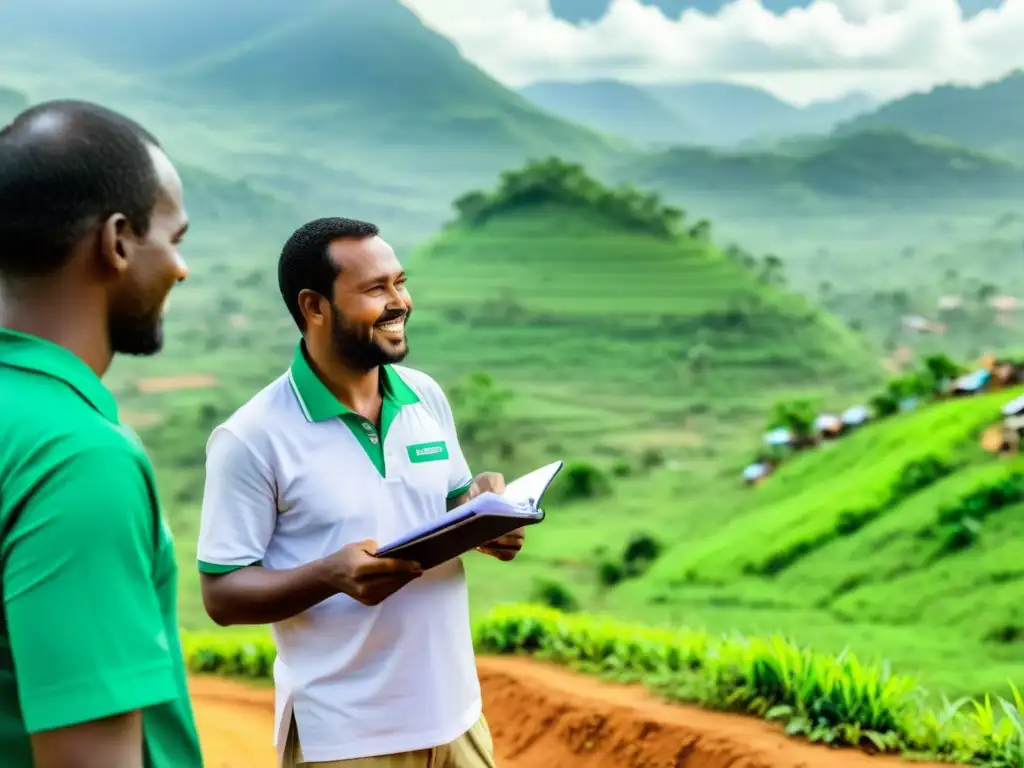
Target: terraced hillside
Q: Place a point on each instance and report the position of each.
(609, 317)
(901, 541)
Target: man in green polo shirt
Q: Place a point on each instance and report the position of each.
(91, 671)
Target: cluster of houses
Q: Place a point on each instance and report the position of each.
(992, 374)
(1007, 309)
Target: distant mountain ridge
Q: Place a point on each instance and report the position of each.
(709, 114)
(990, 116)
(356, 104)
(881, 167)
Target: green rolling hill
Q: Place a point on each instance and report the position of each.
(900, 541)
(581, 299)
(989, 116)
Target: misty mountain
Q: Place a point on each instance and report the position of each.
(614, 107)
(989, 116)
(711, 114)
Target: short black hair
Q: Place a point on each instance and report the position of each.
(305, 263)
(65, 166)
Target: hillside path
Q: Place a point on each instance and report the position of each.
(545, 717)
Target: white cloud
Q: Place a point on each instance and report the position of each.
(885, 47)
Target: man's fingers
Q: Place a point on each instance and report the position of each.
(373, 566)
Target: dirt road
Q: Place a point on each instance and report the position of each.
(544, 717)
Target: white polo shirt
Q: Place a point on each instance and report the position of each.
(293, 476)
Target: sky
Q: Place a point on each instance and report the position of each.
(812, 50)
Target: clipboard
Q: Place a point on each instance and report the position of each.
(487, 517)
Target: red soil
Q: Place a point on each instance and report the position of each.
(545, 717)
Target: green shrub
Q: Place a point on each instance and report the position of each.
(652, 458)
(580, 480)
(621, 468)
(609, 573)
(554, 595)
(641, 551)
(959, 524)
(919, 474)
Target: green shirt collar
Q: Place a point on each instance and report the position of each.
(31, 353)
(317, 402)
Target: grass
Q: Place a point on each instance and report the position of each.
(891, 587)
(838, 700)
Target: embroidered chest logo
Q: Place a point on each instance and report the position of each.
(423, 452)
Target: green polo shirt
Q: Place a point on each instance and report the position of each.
(87, 570)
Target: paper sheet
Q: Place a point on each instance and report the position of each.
(530, 487)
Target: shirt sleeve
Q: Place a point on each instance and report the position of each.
(239, 505)
(87, 633)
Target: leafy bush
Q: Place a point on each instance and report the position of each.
(960, 523)
(797, 416)
(641, 550)
(554, 595)
(250, 656)
(884, 404)
(580, 480)
(610, 573)
(652, 458)
(621, 468)
(919, 474)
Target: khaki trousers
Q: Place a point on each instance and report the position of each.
(473, 749)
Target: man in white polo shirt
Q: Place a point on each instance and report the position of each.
(375, 660)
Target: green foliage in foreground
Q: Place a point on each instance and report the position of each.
(838, 700)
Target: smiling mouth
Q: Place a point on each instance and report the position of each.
(392, 326)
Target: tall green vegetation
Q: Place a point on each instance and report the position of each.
(557, 181)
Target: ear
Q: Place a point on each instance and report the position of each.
(115, 244)
(313, 307)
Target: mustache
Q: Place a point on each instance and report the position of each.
(390, 315)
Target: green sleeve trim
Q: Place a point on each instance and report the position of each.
(216, 570)
(459, 491)
(103, 693)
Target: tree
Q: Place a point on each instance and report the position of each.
(941, 368)
(884, 404)
(701, 230)
(797, 417)
(985, 293)
(771, 270)
(555, 180)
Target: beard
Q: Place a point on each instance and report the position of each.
(136, 335)
(360, 349)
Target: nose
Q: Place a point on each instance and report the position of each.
(181, 268)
